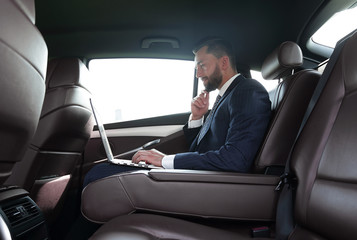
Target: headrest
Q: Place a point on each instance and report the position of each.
(20, 15)
(64, 72)
(282, 60)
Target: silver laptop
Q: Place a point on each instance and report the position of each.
(107, 148)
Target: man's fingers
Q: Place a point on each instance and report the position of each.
(200, 102)
(149, 156)
(146, 156)
(138, 156)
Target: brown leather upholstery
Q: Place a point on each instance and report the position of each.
(130, 228)
(289, 105)
(65, 126)
(23, 54)
(66, 118)
(324, 160)
(259, 202)
(205, 194)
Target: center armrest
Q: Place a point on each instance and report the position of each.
(205, 194)
(211, 176)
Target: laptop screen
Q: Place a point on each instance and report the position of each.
(102, 133)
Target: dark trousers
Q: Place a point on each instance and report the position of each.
(103, 170)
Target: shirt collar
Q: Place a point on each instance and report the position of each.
(226, 85)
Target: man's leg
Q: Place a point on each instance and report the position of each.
(103, 170)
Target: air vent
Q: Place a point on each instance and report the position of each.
(21, 212)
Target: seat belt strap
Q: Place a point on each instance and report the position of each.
(284, 216)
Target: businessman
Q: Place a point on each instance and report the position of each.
(229, 138)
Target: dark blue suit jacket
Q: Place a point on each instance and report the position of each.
(236, 132)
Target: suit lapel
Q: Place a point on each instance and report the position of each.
(230, 88)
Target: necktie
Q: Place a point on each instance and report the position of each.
(208, 121)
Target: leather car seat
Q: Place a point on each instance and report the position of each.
(323, 160)
(289, 104)
(65, 125)
(23, 53)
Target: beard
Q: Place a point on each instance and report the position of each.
(213, 81)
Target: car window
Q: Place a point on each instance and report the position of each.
(338, 26)
(268, 84)
(129, 89)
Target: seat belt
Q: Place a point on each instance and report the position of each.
(284, 215)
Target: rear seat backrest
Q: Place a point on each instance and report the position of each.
(66, 118)
(289, 105)
(324, 158)
(63, 131)
(23, 54)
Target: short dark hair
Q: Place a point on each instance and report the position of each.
(219, 47)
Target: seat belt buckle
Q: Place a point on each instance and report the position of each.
(283, 179)
(278, 187)
(286, 178)
(259, 232)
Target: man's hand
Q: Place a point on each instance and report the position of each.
(199, 105)
(152, 156)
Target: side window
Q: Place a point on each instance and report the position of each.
(129, 89)
(268, 84)
(338, 26)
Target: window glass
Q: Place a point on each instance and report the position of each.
(338, 26)
(129, 89)
(268, 84)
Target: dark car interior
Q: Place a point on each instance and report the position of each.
(302, 184)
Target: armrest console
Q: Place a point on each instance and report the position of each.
(211, 177)
(186, 192)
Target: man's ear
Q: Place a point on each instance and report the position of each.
(225, 63)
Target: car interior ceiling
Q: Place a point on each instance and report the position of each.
(121, 35)
(60, 122)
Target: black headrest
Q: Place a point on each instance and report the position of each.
(282, 60)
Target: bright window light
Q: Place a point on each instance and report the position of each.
(268, 84)
(129, 89)
(338, 26)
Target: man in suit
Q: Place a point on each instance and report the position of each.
(230, 137)
(238, 123)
